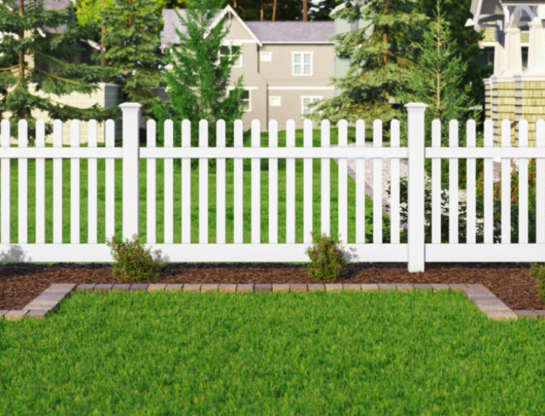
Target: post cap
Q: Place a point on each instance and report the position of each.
(416, 106)
(130, 106)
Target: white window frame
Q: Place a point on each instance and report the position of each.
(262, 54)
(239, 63)
(313, 98)
(302, 74)
(276, 97)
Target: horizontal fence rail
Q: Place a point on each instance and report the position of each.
(236, 196)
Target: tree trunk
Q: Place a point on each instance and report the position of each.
(261, 13)
(274, 10)
(385, 35)
(103, 39)
(21, 52)
(305, 10)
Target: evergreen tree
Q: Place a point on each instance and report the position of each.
(381, 54)
(133, 49)
(198, 80)
(321, 10)
(36, 47)
(464, 42)
(438, 77)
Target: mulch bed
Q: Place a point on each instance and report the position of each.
(21, 283)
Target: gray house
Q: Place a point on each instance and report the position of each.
(286, 65)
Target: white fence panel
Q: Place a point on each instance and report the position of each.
(416, 252)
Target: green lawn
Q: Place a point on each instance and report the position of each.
(195, 199)
(344, 353)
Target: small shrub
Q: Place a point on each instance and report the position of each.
(133, 261)
(326, 259)
(537, 274)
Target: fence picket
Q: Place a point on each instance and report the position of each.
(377, 185)
(220, 185)
(290, 185)
(523, 185)
(360, 185)
(453, 185)
(110, 181)
(394, 185)
(186, 184)
(23, 185)
(151, 180)
(40, 185)
(436, 185)
(238, 187)
(169, 185)
(256, 185)
(471, 186)
(343, 184)
(488, 185)
(308, 184)
(326, 178)
(273, 185)
(57, 185)
(74, 185)
(506, 185)
(540, 184)
(92, 186)
(203, 185)
(6, 184)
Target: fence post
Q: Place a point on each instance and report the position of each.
(131, 161)
(415, 221)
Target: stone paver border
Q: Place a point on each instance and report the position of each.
(482, 297)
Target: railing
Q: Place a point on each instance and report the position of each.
(290, 209)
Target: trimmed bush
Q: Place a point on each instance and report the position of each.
(326, 258)
(133, 261)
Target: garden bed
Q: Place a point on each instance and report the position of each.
(21, 283)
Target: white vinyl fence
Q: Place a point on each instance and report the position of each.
(414, 251)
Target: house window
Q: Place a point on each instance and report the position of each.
(302, 63)
(275, 101)
(229, 51)
(247, 101)
(306, 101)
(266, 56)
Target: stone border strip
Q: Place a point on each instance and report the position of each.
(482, 297)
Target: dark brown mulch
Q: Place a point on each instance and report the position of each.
(20, 283)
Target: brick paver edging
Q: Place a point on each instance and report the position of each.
(481, 296)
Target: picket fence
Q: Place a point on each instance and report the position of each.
(415, 251)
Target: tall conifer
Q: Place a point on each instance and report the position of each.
(36, 47)
(381, 52)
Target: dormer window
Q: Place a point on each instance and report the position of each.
(230, 51)
(302, 63)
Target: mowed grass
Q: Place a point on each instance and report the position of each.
(343, 353)
(334, 206)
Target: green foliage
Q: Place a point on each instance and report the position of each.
(37, 47)
(327, 260)
(133, 261)
(198, 77)
(381, 54)
(133, 49)
(464, 43)
(514, 202)
(537, 274)
(437, 78)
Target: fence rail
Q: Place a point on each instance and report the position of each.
(278, 203)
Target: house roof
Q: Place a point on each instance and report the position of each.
(263, 32)
(288, 32)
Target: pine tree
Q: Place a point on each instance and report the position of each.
(198, 80)
(133, 49)
(438, 77)
(36, 47)
(381, 54)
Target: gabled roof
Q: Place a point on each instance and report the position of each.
(261, 32)
(293, 32)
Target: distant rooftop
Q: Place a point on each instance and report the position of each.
(266, 32)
